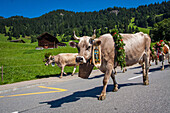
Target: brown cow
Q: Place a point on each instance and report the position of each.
(62, 60)
(161, 55)
(137, 49)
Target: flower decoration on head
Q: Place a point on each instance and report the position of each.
(159, 45)
(161, 41)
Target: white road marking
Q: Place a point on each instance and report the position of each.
(135, 77)
(15, 112)
(138, 76)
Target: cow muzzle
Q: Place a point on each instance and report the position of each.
(80, 59)
(46, 64)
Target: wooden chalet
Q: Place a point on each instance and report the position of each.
(46, 40)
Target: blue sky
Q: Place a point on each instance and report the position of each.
(36, 8)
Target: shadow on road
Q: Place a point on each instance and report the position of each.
(158, 68)
(87, 93)
(135, 67)
(52, 75)
(98, 76)
(154, 69)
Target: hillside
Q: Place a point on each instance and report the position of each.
(61, 22)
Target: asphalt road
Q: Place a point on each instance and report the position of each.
(81, 95)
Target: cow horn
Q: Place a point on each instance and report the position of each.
(75, 37)
(94, 35)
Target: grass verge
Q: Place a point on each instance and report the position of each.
(22, 62)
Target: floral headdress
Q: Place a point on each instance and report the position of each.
(159, 45)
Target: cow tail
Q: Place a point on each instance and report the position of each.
(147, 48)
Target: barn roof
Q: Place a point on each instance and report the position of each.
(47, 36)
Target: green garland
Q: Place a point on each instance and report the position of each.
(166, 42)
(159, 45)
(120, 58)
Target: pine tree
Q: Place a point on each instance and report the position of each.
(10, 38)
(136, 30)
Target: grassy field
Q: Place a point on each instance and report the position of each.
(144, 30)
(22, 62)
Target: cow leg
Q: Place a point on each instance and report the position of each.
(163, 61)
(73, 71)
(115, 71)
(105, 81)
(156, 61)
(169, 56)
(162, 65)
(124, 69)
(114, 82)
(62, 71)
(145, 68)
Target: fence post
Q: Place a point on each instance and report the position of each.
(2, 74)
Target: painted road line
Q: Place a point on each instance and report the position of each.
(36, 93)
(31, 93)
(59, 89)
(138, 76)
(15, 112)
(135, 77)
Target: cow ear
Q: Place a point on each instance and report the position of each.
(96, 42)
(72, 44)
(50, 57)
(91, 41)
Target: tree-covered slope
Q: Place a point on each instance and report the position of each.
(61, 22)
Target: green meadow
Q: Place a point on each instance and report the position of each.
(144, 30)
(21, 61)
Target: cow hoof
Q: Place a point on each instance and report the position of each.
(60, 77)
(102, 97)
(162, 69)
(115, 89)
(115, 73)
(146, 83)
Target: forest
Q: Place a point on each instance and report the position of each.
(63, 23)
